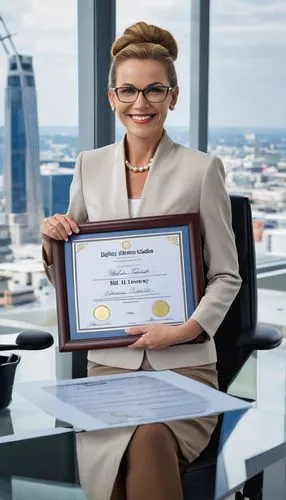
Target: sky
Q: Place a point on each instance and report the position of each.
(247, 84)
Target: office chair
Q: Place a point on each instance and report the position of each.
(237, 337)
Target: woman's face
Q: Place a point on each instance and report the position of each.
(142, 118)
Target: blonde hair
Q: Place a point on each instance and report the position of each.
(145, 41)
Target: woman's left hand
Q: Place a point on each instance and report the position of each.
(153, 336)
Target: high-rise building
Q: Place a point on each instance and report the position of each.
(6, 254)
(56, 183)
(22, 178)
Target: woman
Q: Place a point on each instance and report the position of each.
(147, 174)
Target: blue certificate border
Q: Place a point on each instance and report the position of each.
(182, 231)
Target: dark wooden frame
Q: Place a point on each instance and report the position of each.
(143, 223)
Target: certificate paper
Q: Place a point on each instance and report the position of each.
(120, 282)
(129, 399)
(131, 272)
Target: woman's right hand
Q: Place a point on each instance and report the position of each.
(58, 227)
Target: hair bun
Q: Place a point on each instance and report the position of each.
(142, 32)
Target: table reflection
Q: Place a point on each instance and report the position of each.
(255, 439)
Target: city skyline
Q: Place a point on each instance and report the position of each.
(247, 49)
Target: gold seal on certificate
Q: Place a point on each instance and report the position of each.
(101, 313)
(160, 308)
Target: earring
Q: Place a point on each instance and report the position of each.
(171, 107)
(112, 108)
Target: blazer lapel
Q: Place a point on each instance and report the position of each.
(118, 184)
(159, 168)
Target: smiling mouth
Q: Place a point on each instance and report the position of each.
(141, 118)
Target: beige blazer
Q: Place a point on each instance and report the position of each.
(180, 180)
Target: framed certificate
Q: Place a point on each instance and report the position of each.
(122, 273)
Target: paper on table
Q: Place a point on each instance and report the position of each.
(129, 399)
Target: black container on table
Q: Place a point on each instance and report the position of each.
(7, 375)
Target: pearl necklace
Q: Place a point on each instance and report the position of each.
(138, 169)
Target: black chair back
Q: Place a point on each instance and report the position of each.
(242, 315)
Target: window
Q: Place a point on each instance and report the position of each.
(247, 104)
(38, 125)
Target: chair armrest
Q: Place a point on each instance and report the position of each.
(261, 338)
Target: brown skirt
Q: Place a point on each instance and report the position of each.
(100, 452)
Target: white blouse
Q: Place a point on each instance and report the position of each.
(133, 205)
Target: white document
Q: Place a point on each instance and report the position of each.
(121, 282)
(130, 399)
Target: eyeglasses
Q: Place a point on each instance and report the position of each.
(156, 93)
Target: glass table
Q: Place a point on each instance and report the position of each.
(251, 441)
(255, 440)
(20, 488)
(34, 444)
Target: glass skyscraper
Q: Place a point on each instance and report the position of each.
(24, 206)
(56, 183)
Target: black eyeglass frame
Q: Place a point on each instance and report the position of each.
(115, 89)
